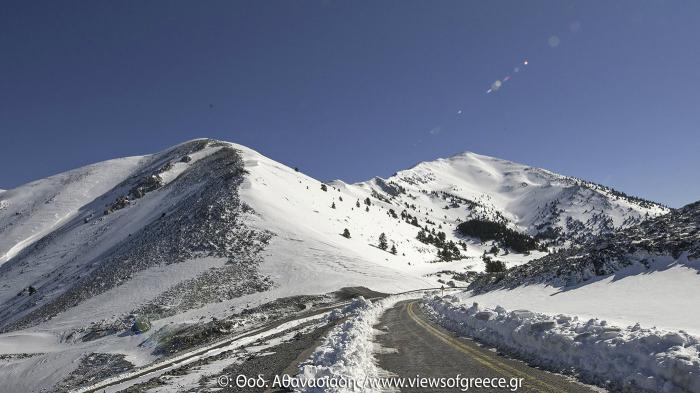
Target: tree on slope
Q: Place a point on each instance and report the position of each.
(383, 244)
(393, 249)
(346, 233)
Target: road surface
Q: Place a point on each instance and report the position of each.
(412, 345)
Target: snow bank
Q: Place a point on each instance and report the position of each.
(347, 351)
(631, 359)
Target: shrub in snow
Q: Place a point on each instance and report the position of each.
(632, 359)
(494, 266)
(141, 325)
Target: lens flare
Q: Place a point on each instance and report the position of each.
(553, 41)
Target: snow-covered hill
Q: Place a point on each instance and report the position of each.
(209, 228)
(671, 239)
(533, 200)
(97, 230)
(647, 274)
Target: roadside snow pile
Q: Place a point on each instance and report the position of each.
(347, 352)
(631, 359)
(357, 305)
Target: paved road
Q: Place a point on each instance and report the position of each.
(415, 346)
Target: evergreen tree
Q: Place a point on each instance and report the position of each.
(441, 236)
(333, 205)
(422, 237)
(393, 249)
(346, 233)
(383, 242)
(493, 266)
(324, 187)
(357, 204)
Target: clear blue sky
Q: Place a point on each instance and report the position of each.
(352, 89)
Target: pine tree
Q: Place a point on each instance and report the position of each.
(333, 205)
(324, 187)
(357, 204)
(422, 237)
(393, 249)
(346, 233)
(383, 242)
(493, 266)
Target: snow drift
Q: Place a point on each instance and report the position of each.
(630, 359)
(347, 351)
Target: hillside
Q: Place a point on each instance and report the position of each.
(674, 236)
(646, 274)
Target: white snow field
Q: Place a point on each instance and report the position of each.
(634, 358)
(659, 296)
(64, 233)
(44, 204)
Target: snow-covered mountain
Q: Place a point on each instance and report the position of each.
(532, 200)
(210, 228)
(205, 212)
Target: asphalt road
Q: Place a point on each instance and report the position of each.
(412, 345)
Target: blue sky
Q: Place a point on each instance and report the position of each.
(354, 89)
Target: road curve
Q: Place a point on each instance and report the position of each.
(412, 345)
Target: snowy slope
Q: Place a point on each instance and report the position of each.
(294, 203)
(647, 273)
(33, 210)
(661, 296)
